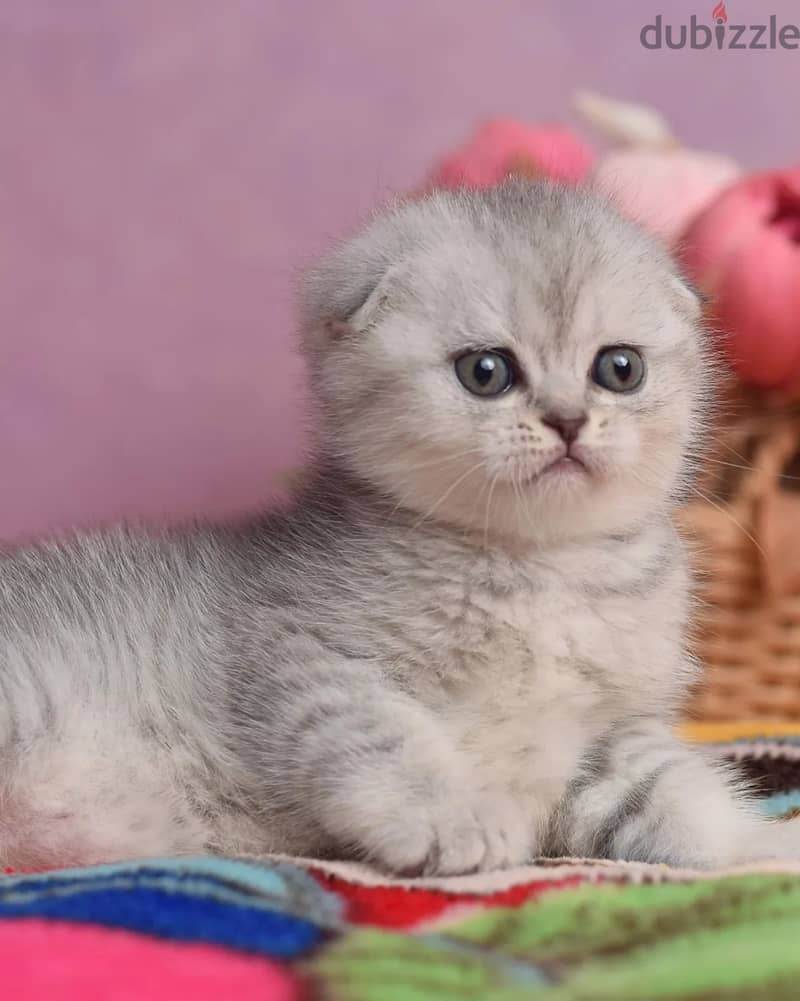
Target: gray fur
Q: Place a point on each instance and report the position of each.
(440, 658)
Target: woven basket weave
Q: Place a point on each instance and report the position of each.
(746, 532)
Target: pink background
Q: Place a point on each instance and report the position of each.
(166, 166)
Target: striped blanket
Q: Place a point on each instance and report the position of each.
(202, 929)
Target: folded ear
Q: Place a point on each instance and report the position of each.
(349, 289)
(690, 299)
(377, 301)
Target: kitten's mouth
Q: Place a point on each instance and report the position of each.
(562, 469)
(565, 465)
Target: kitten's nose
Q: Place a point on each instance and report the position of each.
(567, 427)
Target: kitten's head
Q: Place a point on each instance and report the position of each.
(516, 361)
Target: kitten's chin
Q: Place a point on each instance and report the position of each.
(569, 501)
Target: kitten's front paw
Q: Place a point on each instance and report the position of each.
(432, 843)
(441, 833)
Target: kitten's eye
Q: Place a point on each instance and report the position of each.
(620, 370)
(485, 373)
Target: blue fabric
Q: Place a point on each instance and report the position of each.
(219, 901)
(175, 916)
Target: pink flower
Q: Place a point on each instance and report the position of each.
(663, 189)
(744, 250)
(502, 147)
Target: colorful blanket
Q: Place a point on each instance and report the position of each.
(203, 929)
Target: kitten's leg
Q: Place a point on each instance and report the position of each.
(381, 778)
(641, 795)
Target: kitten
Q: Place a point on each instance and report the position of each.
(463, 646)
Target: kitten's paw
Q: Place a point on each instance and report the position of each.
(409, 836)
(510, 833)
(435, 843)
(441, 834)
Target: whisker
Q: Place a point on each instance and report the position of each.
(495, 478)
(523, 498)
(449, 491)
(428, 465)
(749, 469)
(727, 513)
(442, 460)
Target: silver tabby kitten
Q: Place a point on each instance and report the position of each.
(464, 644)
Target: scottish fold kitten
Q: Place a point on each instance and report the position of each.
(464, 644)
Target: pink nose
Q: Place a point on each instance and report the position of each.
(568, 427)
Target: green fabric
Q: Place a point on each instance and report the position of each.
(730, 938)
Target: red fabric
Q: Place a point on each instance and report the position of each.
(402, 907)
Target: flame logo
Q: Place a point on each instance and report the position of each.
(719, 13)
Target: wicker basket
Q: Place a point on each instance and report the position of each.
(746, 530)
